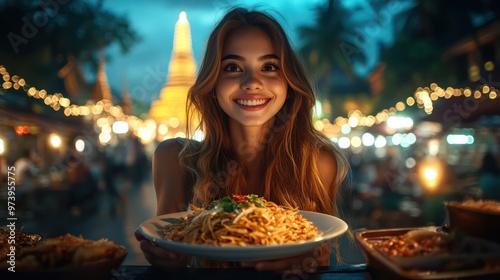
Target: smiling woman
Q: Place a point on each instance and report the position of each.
(254, 102)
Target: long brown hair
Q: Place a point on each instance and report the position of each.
(291, 148)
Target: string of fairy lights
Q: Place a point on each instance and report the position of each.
(109, 113)
(423, 98)
(105, 112)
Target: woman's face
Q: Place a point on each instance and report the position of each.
(251, 87)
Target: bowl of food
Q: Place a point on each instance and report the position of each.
(478, 218)
(18, 238)
(68, 257)
(427, 253)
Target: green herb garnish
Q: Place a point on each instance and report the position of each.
(230, 204)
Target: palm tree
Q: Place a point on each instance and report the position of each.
(325, 42)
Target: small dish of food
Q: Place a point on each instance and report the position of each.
(18, 238)
(67, 257)
(478, 218)
(428, 253)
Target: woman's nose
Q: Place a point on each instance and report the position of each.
(251, 81)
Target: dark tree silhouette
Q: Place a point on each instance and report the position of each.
(428, 29)
(39, 36)
(330, 54)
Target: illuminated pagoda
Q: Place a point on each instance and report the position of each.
(169, 111)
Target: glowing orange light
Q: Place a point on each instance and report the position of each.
(19, 130)
(430, 173)
(26, 129)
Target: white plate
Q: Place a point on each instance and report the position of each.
(329, 227)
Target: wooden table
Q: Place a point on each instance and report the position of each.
(347, 272)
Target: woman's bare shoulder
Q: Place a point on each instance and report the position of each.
(327, 157)
(169, 149)
(327, 166)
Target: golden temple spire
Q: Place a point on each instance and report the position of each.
(169, 111)
(101, 88)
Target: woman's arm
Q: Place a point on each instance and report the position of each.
(170, 187)
(169, 178)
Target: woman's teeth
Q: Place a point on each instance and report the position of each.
(254, 102)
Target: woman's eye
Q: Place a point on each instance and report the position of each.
(232, 68)
(270, 67)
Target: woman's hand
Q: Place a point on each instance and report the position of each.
(159, 257)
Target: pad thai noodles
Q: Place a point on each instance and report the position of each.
(242, 220)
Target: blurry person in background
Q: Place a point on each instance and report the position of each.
(387, 178)
(82, 186)
(3, 169)
(25, 167)
(116, 165)
(489, 177)
(116, 175)
(136, 161)
(25, 173)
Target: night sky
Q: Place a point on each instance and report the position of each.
(144, 69)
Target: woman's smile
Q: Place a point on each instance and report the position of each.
(252, 104)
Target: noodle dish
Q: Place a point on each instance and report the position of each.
(242, 220)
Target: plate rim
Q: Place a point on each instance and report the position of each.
(339, 228)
